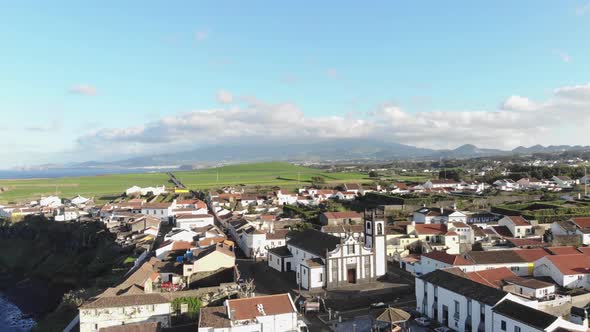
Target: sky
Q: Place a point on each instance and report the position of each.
(110, 80)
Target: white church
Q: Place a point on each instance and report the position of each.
(322, 260)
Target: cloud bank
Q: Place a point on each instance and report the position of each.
(560, 119)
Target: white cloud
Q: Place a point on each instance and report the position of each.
(560, 119)
(224, 97)
(518, 103)
(333, 73)
(201, 35)
(564, 56)
(583, 9)
(83, 89)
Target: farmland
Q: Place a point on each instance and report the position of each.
(104, 186)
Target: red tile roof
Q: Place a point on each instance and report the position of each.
(492, 278)
(502, 231)
(519, 221)
(247, 308)
(435, 229)
(584, 250)
(534, 242)
(562, 250)
(531, 255)
(181, 245)
(582, 222)
(571, 264)
(442, 256)
(451, 234)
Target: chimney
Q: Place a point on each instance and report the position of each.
(441, 210)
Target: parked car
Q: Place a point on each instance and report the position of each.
(422, 321)
(443, 329)
(377, 305)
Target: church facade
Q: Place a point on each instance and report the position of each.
(322, 260)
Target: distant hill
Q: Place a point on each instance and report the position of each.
(334, 150)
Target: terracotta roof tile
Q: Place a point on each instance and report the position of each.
(571, 264)
(442, 256)
(567, 250)
(492, 277)
(436, 229)
(247, 308)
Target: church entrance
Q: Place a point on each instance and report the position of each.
(351, 276)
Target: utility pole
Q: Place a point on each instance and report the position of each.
(585, 182)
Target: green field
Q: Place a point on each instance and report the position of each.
(104, 186)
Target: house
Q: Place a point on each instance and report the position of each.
(179, 234)
(453, 300)
(275, 313)
(506, 185)
(528, 287)
(584, 179)
(175, 246)
(190, 221)
(79, 200)
(563, 181)
(571, 271)
(530, 183)
(442, 183)
(51, 201)
(139, 191)
(509, 315)
(323, 260)
(440, 215)
(340, 218)
(134, 327)
(209, 259)
(517, 225)
(160, 210)
(441, 260)
(355, 188)
(106, 311)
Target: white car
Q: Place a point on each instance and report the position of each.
(442, 329)
(422, 321)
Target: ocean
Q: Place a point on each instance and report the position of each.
(12, 318)
(70, 172)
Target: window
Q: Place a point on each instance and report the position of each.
(351, 249)
(368, 225)
(379, 229)
(514, 268)
(468, 307)
(517, 329)
(457, 307)
(503, 325)
(278, 261)
(579, 277)
(321, 277)
(304, 272)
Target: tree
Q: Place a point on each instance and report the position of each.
(317, 181)
(373, 174)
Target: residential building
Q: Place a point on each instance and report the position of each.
(106, 311)
(209, 259)
(276, 313)
(571, 271)
(190, 221)
(517, 225)
(509, 316)
(440, 215)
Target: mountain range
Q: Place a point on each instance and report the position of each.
(333, 150)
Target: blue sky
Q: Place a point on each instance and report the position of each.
(107, 80)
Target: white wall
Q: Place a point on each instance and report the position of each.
(94, 319)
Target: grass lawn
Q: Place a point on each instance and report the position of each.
(103, 186)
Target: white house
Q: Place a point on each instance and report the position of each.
(440, 215)
(79, 200)
(115, 310)
(506, 185)
(518, 226)
(51, 201)
(511, 316)
(563, 181)
(136, 190)
(456, 301)
(179, 234)
(160, 210)
(442, 183)
(190, 221)
(276, 313)
(571, 271)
